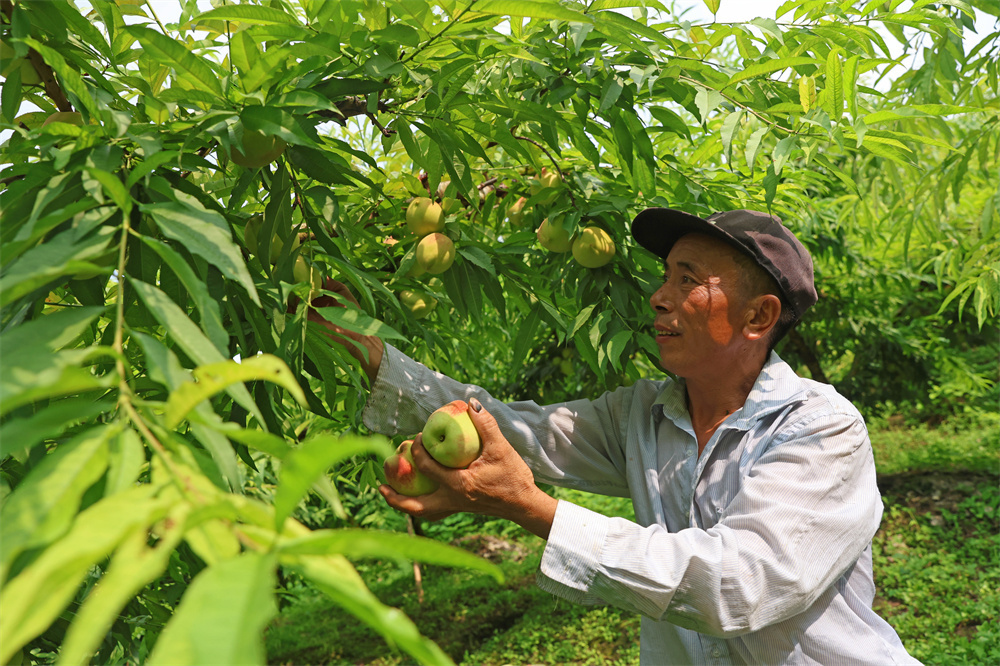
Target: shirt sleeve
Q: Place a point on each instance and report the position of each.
(578, 444)
(803, 515)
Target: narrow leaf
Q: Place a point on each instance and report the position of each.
(38, 594)
(210, 379)
(759, 69)
(251, 14)
(834, 86)
(44, 504)
(360, 543)
(201, 232)
(189, 66)
(222, 616)
(21, 434)
(303, 466)
(188, 336)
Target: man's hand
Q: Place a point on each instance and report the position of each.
(497, 483)
(369, 354)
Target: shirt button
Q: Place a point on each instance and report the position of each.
(716, 651)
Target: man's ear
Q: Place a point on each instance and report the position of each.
(762, 316)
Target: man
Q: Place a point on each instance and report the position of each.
(754, 489)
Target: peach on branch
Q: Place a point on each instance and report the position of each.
(303, 271)
(593, 247)
(516, 212)
(424, 216)
(546, 180)
(258, 149)
(553, 237)
(417, 302)
(435, 253)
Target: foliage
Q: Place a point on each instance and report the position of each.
(162, 481)
(932, 551)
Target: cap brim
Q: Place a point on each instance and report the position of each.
(657, 229)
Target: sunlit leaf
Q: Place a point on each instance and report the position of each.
(222, 616)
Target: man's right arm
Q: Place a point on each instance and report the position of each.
(366, 349)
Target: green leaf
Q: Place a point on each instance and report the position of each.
(807, 93)
(355, 320)
(201, 231)
(781, 152)
(713, 5)
(707, 100)
(362, 543)
(617, 346)
(69, 77)
(729, 127)
(133, 566)
(759, 69)
(770, 184)
(851, 85)
(63, 255)
(530, 9)
(753, 146)
(526, 335)
(336, 578)
(48, 377)
(35, 597)
(189, 337)
(126, 458)
(44, 504)
(22, 433)
(208, 307)
(834, 86)
(188, 66)
(48, 333)
(210, 379)
(251, 14)
(306, 464)
(222, 616)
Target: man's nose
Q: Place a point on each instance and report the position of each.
(661, 299)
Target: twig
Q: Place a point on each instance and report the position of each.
(442, 31)
(551, 159)
(377, 124)
(413, 528)
(44, 72)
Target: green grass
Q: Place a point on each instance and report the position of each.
(936, 571)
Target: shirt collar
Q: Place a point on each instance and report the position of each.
(775, 387)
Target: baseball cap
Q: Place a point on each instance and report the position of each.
(761, 236)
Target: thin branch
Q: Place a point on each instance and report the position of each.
(442, 31)
(551, 159)
(377, 124)
(155, 17)
(44, 72)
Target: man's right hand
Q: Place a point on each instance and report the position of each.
(497, 483)
(369, 354)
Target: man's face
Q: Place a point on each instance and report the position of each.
(699, 309)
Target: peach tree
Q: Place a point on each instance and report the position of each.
(177, 189)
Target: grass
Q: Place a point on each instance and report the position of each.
(935, 554)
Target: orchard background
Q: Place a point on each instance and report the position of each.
(177, 442)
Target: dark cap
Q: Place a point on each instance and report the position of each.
(759, 235)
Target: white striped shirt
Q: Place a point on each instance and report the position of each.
(756, 552)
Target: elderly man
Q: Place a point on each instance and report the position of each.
(754, 489)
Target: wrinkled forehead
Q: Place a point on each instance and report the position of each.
(703, 251)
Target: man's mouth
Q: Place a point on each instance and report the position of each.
(663, 333)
